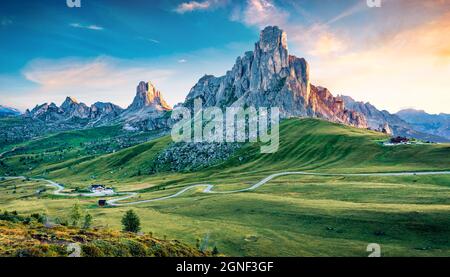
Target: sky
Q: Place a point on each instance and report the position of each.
(394, 56)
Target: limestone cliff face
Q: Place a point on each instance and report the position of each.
(72, 108)
(148, 110)
(147, 96)
(46, 112)
(270, 77)
(101, 110)
(324, 105)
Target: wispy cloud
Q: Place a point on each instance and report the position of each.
(199, 5)
(358, 7)
(89, 80)
(110, 79)
(313, 39)
(89, 27)
(151, 40)
(410, 68)
(260, 13)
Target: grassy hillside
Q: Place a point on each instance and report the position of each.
(290, 215)
(305, 144)
(62, 150)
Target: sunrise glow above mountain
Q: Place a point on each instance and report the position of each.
(394, 56)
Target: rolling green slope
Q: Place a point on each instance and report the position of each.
(290, 215)
(65, 149)
(305, 144)
(311, 144)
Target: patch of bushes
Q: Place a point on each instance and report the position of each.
(27, 236)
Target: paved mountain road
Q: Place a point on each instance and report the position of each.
(208, 187)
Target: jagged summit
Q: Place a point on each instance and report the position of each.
(71, 99)
(148, 96)
(272, 38)
(269, 77)
(72, 109)
(147, 110)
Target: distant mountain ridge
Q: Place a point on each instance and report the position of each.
(436, 124)
(8, 111)
(72, 109)
(396, 126)
(145, 112)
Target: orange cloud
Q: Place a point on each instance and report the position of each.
(409, 68)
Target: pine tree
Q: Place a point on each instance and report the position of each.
(87, 221)
(75, 215)
(131, 222)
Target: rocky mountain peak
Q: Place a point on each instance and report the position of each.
(272, 38)
(72, 99)
(270, 77)
(69, 102)
(72, 108)
(148, 96)
(270, 61)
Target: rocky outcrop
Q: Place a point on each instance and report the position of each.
(71, 108)
(387, 129)
(149, 111)
(46, 112)
(270, 77)
(324, 105)
(179, 157)
(101, 110)
(148, 97)
(103, 113)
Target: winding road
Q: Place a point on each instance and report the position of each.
(208, 187)
(6, 152)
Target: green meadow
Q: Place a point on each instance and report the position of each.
(289, 216)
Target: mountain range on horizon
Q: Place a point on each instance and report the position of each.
(8, 111)
(268, 76)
